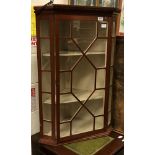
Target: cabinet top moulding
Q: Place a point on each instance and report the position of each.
(75, 9)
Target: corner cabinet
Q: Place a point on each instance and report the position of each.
(75, 47)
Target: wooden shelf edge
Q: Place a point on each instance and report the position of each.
(69, 98)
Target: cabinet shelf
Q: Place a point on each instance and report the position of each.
(81, 94)
(74, 53)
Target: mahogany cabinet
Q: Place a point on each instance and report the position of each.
(75, 47)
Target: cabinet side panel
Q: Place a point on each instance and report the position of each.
(119, 85)
(39, 76)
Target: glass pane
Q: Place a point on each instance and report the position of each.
(67, 47)
(97, 59)
(65, 82)
(96, 102)
(103, 29)
(68, 62)
(84, 2)
(101, 2)
(68, 107)
(47, 128)
(83, 79)
(97, 51)
(45, 54)
(64, 28)
(46, 98)
(99, 46)
(100, 79)
(91, 2)
(46, 112)
(109, 118)
(44, 28)
(113, 51)
(111, 76)
(65, 130)
(67, 98)
(69, 54)
(83, 32)
(107, 3)
(45, 46)
(83, 122)
(46, 106)
(46, 81)
(110, 98)
(99, 122)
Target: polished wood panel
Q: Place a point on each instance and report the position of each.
(118, 91)
(75, 9)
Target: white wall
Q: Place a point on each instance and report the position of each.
(34, 99)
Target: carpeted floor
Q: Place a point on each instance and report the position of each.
(89, 147)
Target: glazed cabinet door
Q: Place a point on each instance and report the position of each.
(45, 68)
(82, 44)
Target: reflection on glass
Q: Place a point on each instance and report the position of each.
(67, 63)
(64, 130)
(45, 63)
(45, 54)
(47, 130)
(99, 122)
(64, 28)
(67, 46)
(91, 2)
(69, 108)
(97, 59)
(44, 28)
(98, 47)
(105, 3)
(83, 2)
(101, 2)
(46, 112)
(83, 32)
(100, 79)
(45, 46)
(46, 81)
(46, 98)
(65, 82)
(103, 29)
(83, 122)
(46, 106)
(96, 102)
(83, 79)
(69, 54)
(108, 3)
(67, 98)
(97, 52)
